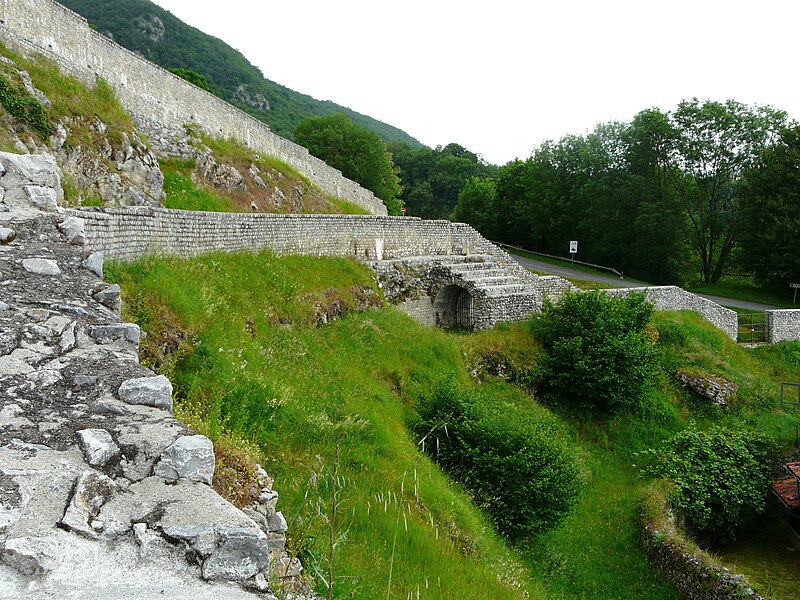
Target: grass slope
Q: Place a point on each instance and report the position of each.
(325, 410)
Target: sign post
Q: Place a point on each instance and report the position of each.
(573, 248)
(794, 286)
(403, 210)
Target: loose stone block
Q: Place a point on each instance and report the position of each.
(41, 266)
(98, 446)
(189, 457)
(150, 391)
(241, 553)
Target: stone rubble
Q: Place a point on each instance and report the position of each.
(103, 493)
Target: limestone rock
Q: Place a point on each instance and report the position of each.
(92, 491)
(717, 389)
(30, 555)
(108, 295)
(7, 235)
(277, 523)
(287, 567)
(106, 334)
(150, 391)
(94, 263)
(41, 266)
(98, 446)
(241, 553)
(189, 457)
(201, 538)
(43, 198)
(74, 229)
(67, 341)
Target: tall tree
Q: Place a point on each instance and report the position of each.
(714, 142)
(356, 151)
(770, 205)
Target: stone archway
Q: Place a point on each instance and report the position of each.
(452, 307)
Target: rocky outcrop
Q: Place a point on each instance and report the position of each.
(713, 387)
(115, 167)
(103, 493)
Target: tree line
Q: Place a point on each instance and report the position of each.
(685, 196)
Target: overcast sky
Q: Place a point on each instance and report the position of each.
(499, 77)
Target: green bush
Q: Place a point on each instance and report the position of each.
(720, 477)
(598, 352)
(515, 463)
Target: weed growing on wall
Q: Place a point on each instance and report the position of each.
(24, 107)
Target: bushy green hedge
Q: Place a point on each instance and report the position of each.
(720, 477)
(599, 354)
(515, 463)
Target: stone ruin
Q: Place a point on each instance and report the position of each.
(103, 493)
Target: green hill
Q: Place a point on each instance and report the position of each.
(162, 38)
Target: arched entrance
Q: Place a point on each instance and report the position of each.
(452, 307)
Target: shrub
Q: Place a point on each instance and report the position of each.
(720, 477)
(515, 463)
(598, 353)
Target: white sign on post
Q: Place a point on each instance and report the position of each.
(573, 247)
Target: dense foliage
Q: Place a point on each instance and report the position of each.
(24, 107)
(598, 354)
(720, 476)
(433, 179)
(159, 36)
(515, 463)
(192, 77)
(356, 151)
(770, 227)
(656, 198)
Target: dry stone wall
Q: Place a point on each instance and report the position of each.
(132, 233)
(782, 325)
(670, 297)
(153, 95)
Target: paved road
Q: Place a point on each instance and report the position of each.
(615, 281)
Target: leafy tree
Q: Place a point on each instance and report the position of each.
(720, 476)
(192, 77)
(433, 178)
(476, 202)
(598, 353)
(356, 151)
(714, 142)
(770, 227)
(515, 463)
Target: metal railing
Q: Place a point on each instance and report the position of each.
(784, 401)
(568, 260)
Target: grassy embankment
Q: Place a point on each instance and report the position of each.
(255, 372)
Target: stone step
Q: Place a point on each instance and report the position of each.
(473, 266)
(514, 289)
(484, 282)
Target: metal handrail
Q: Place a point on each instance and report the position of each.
(579, 262)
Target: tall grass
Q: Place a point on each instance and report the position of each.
(250, 363)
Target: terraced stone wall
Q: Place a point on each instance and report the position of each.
(151, 93)
(782, 325)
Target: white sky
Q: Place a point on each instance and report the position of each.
(500, 77)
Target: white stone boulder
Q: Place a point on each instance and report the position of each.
(98, 446)
(149, 391)
(41, 266)
(189, 457)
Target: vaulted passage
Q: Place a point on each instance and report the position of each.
(452, 307)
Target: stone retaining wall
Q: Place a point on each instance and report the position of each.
(782, 325)
(132, 233)
(151, 93)
(670, 297)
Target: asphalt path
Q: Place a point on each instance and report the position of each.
(615, 281)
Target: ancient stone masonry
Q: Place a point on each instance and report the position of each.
(670, 297)
(155, 97)
(782, 325)
(103, 493)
